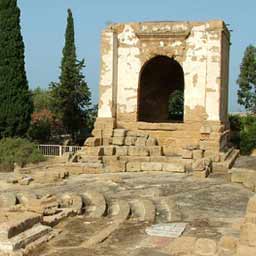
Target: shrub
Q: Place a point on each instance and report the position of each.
(40, 131)
(248, 134)
(18, 150)
(243, 132)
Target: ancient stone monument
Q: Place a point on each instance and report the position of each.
(143, 64)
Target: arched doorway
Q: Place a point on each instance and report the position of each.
(161, 90)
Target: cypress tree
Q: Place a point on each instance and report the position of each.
(15, 100)
(71, 96)
(247, 80)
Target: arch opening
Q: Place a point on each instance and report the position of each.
(161, 91)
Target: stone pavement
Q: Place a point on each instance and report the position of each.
(211, 208)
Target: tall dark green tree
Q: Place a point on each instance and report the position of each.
(15, 100)
(247, 80)
(71, 95)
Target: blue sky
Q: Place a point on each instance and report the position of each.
(44, 22)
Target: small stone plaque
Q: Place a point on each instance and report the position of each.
(171, 230)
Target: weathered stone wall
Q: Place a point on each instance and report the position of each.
(201, 48)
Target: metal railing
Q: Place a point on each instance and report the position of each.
(57, 150)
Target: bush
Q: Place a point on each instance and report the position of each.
(40, 131)
(248, 134)
(243, 132)
(18, 150)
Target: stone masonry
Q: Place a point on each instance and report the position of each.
(195, 56)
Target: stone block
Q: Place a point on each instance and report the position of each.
(102, 133)
(205, 129)
(130, 141)
(120, 132)
(53, 220)
(107, 133)
(122, 151)
(94, 151)
(85, 159)
(187, 154)
(109, 150)
(205, 247)
(170, 150)
(135, 158)
(133, 167)
(107, 159)
(155, 151)
(214, 156)
(92, 142)
(119, 141)
(16, 223)
(25, 197)
(43, 205)
(115, 166)
(173, 167)
(143, 210)
(107, 141)
(136, 134)
(151, 142)
(141, 142)
(138, 151)
(198, 154)
(72, 201)
(201, 164)
(25, 181)
(95, 204)
(150, 166)
(191, 147)
(161, 159)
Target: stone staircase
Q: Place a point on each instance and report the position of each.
(135, 151)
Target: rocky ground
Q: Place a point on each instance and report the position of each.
(211, 208)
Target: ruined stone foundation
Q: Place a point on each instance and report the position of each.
(135, 151)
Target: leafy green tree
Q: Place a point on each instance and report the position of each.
(247, 80)
(176, 105)
(41, 99)
(71, 96)
(15, 99)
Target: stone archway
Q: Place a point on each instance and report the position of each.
(161, 78)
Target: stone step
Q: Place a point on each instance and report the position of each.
(142, 210)
(232, 158)
(89, 159)
(96, 165)
(167, 210)
(25, 238)
(95, 204)
(223, 167)
(225, 155)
